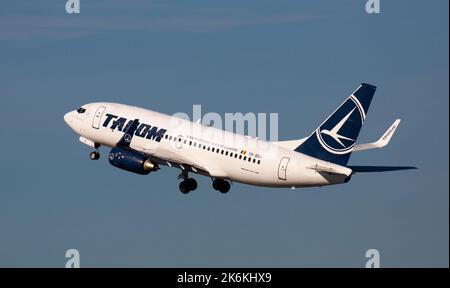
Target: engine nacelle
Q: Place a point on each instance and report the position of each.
(131, 161)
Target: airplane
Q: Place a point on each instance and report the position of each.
(142, 141)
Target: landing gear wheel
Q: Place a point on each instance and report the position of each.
(188, 185)
(184, 187)
(225, 187)
(216, 184)
(94, 155)
(191, 183)
(221, 185)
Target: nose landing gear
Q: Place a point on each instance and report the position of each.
(95, 155)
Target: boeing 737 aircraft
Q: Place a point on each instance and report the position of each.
(142, 141)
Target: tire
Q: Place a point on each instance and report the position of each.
(216, 184)
(192, 184)
(225, 187)
(94, 155)
(184, 187)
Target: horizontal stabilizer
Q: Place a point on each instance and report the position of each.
(334, 169)
(364, 169)
(380, 143)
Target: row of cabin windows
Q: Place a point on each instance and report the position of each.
(216, 150)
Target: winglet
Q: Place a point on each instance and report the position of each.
(383, 141)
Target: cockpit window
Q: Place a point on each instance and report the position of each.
(81, 110)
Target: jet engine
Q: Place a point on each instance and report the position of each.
(131, 161)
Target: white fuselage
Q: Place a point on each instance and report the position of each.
(202, 149)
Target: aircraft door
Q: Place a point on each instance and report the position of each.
(282, 167)
(98, 116)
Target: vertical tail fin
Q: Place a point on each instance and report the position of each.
(334, 139)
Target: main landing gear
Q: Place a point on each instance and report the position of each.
(95, 155)
(221, 185)
(188, 184)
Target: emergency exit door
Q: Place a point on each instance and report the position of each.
(282, 168)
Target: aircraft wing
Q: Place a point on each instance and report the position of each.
(380, 143)
(213, 171)
(186, 162)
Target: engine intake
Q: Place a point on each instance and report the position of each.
(131, 161)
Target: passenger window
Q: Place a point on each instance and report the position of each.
(240, 156)
(170, 138)
(254, 160)
(259, 161)
(245, 158)
(212, 149)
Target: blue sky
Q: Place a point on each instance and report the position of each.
(296, 58)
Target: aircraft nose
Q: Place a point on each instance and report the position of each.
(68, 118)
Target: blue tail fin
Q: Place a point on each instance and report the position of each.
(333, 141)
